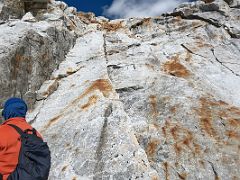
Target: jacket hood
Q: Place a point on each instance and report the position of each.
(14, 107)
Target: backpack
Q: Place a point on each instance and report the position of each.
(34, 157)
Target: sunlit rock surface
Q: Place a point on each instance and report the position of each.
(152, 98)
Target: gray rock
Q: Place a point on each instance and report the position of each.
(70, 10)
(29, 56)
(140, 98)
(28, 17)
(47, 89)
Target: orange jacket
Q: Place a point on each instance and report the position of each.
(10, 145)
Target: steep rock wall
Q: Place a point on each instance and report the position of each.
(152, 98)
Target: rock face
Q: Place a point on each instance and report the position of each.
(152, 98)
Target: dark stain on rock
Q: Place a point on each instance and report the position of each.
(164, 132)
(152, 148)
(182, 176)
(208, 1)
(174, 132)
(64, 168)
(153, 102)
(144, 22)
(166, 169)
(173, 109)
(201, 162)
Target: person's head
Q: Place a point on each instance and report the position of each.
(14, 107)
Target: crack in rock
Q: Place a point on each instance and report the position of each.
(222, 63)
(189, 50)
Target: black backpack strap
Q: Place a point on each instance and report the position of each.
(20, 131)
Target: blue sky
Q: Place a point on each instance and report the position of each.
(125, 8)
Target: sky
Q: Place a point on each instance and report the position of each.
(125, 8)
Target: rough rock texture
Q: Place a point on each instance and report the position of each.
(11, 9)
(152, 98)
(29, 52)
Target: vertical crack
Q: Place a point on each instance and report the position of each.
(223, 64)
(214, 171)
(99, 153)
(105, 48)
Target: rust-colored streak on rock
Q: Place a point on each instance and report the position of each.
(16, 63)
(91, 101)
(217, 177)
(184, 139)
(101, 84)
(188, 57)
(206, 125)
(219, 111)
(177, 148)
(175, 68)
(197, 148)
(201, 162)
(152, 148)
(233, 134)
(187, 141)
(174, 132)
(154, 178)
(110, 26)
(51, 89)
(53, 121)
(164, 132)
(234, 123)
(182, 176)
(153, 102)
(173, 109)
(206, 119)
(166, 169)
(234, 110)
(201, 44)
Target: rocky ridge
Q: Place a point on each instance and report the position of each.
(139, 98)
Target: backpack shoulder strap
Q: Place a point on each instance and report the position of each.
(17, 129)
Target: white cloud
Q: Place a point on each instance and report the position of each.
(140, 8)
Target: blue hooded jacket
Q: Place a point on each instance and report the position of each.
(14, 107)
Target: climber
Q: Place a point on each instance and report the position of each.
(13, 132)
